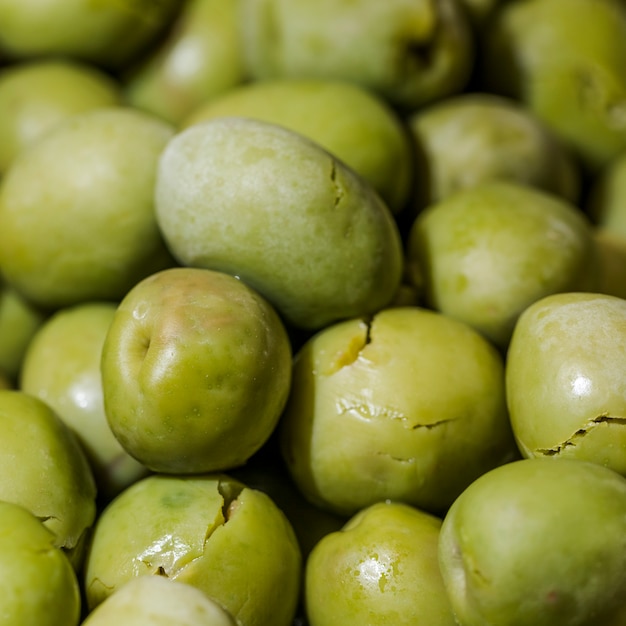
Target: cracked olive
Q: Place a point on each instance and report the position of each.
(408, 406)
(264, 203)
(209, 531)
(566, 391)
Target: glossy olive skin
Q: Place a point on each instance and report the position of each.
(37, 95)
(264, 203)
(538, 541)
(158, 601)
(409, 406)
(209, 531)
(46, 471)
(487, 252)
(39, 584)
(196, 369)
(72, 339)
(87, 230)
(408, 52)
(349, 121)
(381, 568)
(565, 391)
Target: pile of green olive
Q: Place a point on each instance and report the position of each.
(313, 312)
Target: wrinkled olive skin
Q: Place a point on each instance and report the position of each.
(409, 52)
(565, 60)
(352, 123)
(381, 568)
(209, 531)
(487, 252)
(538, 541)
(270, 206)
(39, 584)
(86, 230)
(158, 601)
(72, 339)
(408, 407)
(196, 369)
(565, 389)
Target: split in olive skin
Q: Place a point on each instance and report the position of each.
(565, 390)
(209, 531)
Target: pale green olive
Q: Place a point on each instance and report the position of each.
(565, 389)
(86, 230)
(196, 369)
(110, 33)
(349, 121)
(72, 340)
(19, 321)
(264, 203)
(565, 60)
(381, 568)
(409, 406)
(45, 470)
(485, 253)
(39, 585)
(538, 541)
(410, 52)
(37, 95)
(158, 601)
(474, 137)
(199, 59)
(211, 532)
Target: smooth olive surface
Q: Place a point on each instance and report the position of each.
(45, 470)
(86, 230)
(485, 253)
(37, 95)
(538, 541)
(474, 137)
(196, 368)
(351, 122)
(109, 33)
(381, 568)
(158, 601)
(39, 584)
(19, 321)
(72, 339)
(199, 59)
